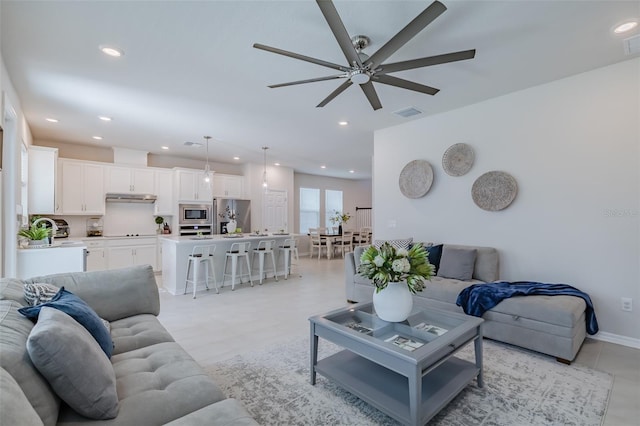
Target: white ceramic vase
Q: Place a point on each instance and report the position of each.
(231, 226)
(394, 302)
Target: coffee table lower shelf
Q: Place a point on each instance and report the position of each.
(388, 391)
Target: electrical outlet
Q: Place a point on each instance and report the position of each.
(626, 304)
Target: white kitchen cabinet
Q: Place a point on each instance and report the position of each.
(131, 252)
(164, 190)
(191, 186)
(42, 188)
(228, 186)
(130, 180)
(96, 255)
(82, 188)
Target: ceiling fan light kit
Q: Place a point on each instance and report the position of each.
(363, 69)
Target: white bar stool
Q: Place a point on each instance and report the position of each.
(201, 255)
(289, 248)
(237, 250)
(265, 247)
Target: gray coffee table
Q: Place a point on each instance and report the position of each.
(407, 370)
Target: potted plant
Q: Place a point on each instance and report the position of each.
(37, 235)
(159, 222)
(231, 224)
(340, 219)
(396, 275)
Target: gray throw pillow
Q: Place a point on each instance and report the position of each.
(457, 263)
(73, 363)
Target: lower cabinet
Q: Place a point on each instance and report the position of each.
(121, 253)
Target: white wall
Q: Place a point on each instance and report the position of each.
(278, 178)
(573, 146)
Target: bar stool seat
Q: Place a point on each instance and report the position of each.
(236, 251)
(201, 256)
(265, 248)
(289, 248)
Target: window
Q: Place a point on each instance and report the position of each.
(332, 204)
(309, 209)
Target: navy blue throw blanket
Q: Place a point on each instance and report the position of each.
(479, 298)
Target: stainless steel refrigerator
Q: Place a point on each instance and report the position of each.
(223, 206)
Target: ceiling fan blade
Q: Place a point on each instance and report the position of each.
(311, 80)
(339, 31)
(335, 93)
(427, 16)
(428, 61)
(301, 57)
(371, 95)
(404, 84)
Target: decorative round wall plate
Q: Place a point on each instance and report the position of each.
(458, 159)
(416, 179)
(494, 191)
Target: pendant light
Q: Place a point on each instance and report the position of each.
(206, 174)
(265, 185)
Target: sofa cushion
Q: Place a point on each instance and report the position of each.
(14, 331)
(560, 310)
(156, 384)
(16, 409)
(73, 363)
(12, 289)
(404, 243)
(72, 305)
(37, 293)
(457, 263)
(137, 332)
(435, 255)
(113, 294)
(445, 289)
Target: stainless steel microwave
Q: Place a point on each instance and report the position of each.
(196, 214)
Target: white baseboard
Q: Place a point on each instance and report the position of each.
(617, 339)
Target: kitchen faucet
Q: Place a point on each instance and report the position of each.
(54, 227)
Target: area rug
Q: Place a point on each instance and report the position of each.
(521, 388)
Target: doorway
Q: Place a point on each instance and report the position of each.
(274, 211)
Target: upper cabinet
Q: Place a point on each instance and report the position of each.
(228, 186)
(164, 190)
(130, 180)
(82, 187)
(191, 187)
(43, 170)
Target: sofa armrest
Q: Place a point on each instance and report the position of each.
(113, 294)
(228, 412)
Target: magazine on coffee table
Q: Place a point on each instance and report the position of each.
(359, 327)
(405, 343)
(429, 328)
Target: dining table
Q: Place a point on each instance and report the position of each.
(330, 238)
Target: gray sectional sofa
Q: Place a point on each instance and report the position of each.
(553, 325)
(157, 382)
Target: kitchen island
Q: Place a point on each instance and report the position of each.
(67, 256)
(176, 250)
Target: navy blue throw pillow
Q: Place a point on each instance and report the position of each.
(77, 309)
(435, 254)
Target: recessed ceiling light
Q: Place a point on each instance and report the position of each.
(625, 26)
(352, 171)
(236, 158)
(343, 123)
(111, 51)
(98, 138)
(276, 164)
(164, 147)
(323, 167)
(104, 118)
(51, 120)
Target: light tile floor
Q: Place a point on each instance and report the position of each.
(214, 326)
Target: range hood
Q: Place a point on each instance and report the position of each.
(130, 198)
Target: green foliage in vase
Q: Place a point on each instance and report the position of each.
(35, 232)
(389, 264)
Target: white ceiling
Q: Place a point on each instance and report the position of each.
(189, 70)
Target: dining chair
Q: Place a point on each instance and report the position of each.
(344, 243)
(317, 241)
(364, 236)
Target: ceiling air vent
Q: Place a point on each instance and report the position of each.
(408, 112)
(193, 144)
(632, 45)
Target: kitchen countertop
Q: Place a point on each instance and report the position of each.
(180, 239)
(57, 245)
(113, 237)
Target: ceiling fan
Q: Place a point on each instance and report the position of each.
(363, 69)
